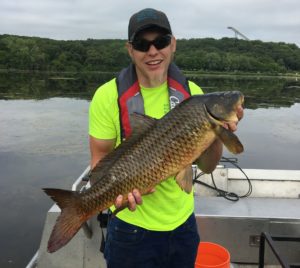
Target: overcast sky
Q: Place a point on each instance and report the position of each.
(266, 20)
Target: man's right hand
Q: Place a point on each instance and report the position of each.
(134, 199)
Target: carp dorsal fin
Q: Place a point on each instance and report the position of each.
(184, 178)
(140, 123)
(230, 140)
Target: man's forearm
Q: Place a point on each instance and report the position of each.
(99, 149)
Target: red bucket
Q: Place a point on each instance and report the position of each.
(211, 255)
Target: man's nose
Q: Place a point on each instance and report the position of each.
(152, 50)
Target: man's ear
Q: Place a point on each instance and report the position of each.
(129, 49)
(173, 44)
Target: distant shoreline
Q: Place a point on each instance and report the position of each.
(60, 74)
(196, 56)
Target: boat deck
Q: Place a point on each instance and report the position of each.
(273, 207)
(238, 225)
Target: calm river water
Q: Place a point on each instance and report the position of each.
(44, 142)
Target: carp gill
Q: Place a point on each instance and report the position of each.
(156, 150)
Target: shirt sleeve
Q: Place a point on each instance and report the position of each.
(102, 112)
(195, 89)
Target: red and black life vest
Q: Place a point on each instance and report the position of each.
(130, 99)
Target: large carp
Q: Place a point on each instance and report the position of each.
(156, 150)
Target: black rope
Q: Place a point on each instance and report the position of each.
(227, 195)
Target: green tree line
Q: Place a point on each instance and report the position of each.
(205, 54)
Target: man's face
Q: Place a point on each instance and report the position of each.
(152, 65)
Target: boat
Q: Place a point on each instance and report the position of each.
(253, 213)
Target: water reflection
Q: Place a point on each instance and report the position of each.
(259, 91)
(43, 86)
(56, 126)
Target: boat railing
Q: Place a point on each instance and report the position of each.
(266, 237)
(77, 185)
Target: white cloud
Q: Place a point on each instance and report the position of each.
(266, 20)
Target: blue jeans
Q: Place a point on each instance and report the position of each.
(129, 246)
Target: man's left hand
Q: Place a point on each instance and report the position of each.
(232, 126)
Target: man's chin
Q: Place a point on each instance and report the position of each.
(157, 79)
(158, 74)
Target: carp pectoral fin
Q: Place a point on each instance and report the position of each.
(230, 140)
(185, 179)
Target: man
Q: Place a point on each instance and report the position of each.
(158, 229)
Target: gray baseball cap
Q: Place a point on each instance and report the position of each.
(147, 18)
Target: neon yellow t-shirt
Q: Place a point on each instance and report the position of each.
(169, 206)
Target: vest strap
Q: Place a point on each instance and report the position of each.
(130, 99)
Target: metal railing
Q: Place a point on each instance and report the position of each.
(270, 239)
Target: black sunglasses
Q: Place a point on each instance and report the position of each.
(144, 45)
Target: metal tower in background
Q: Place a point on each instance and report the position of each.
(236, 32)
